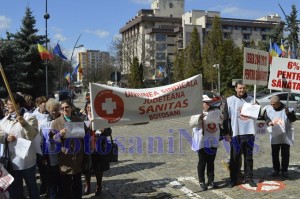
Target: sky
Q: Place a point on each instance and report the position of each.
(99, 21)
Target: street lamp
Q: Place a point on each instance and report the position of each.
(219, 87)
(46, 17)
(70, 67)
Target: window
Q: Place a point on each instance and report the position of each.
(296, 96)
(160, 37)
(264, 37)
(170, 5)
(283, 96)
(226, 35)
(160, 56)
(246, 36)
(161, 46)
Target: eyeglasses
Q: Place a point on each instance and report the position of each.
(65, 107)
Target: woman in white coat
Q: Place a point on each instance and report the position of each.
(12, 128)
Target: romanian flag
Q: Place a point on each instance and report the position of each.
(160, 72)
(67, 76)
(282, 49)
(274, 51)
(44, 53)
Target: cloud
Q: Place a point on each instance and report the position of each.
(99, 33)
(142, 1)
(241, 13)
(60, 37)
(4, 23)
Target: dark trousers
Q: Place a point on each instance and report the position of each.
(239, 145)
(285, 157)
(16, 188)
(206, 159)
(54, 183)
(43, 173)
(71, 186)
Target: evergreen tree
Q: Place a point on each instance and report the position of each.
(193, 56)
(292, 27)
(232, 66)
(276, 34)
(212, 53)
(135, 74)
(26, 71)
(178, 66)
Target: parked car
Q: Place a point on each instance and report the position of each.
(294, 102)
(214, 96)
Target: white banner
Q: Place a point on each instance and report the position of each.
(285, 74)
(112, 106)
(256, 67)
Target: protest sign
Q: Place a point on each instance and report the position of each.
(285, 75)
(113, 106)
(256, 66)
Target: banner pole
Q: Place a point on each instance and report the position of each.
(8, 89)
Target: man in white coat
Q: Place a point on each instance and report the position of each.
(279, 118)
(240, 131)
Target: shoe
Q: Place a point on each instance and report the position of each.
(98, 191)
(226, 165)
(203, 186)
(87, 190)
(241, 175)
(231, 184)
(285, 174)
(212, 185)
(275, 173)
(251, 183)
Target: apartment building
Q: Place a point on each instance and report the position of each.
(91, 61)
(154, 35)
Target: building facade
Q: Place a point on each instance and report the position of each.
(155, 35)
(91, 62)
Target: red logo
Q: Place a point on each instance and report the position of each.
(212, 128)
(109, 106)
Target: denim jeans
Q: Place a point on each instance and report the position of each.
(16, 188)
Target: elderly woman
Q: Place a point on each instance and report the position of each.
(13, 127)
(50, 150)
(70, 158)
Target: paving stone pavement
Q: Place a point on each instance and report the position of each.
(156, 161)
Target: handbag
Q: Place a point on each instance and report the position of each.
(114, 151)
(5, 159)
(108, 151)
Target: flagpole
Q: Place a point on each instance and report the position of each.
(46, 17)
(12, 99)
(70, 67)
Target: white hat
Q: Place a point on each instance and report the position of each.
(206, 98)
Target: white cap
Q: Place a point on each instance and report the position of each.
(206, 98)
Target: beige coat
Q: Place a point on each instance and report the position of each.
(69, 163)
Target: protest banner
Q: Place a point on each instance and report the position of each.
(256, 66)
(112, 106)
(285, 75)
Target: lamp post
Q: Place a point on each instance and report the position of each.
(219, 82)
(70, 67)
(46, 17)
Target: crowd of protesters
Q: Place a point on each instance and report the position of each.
(60, 163)
(59, 160)
(239, 130)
